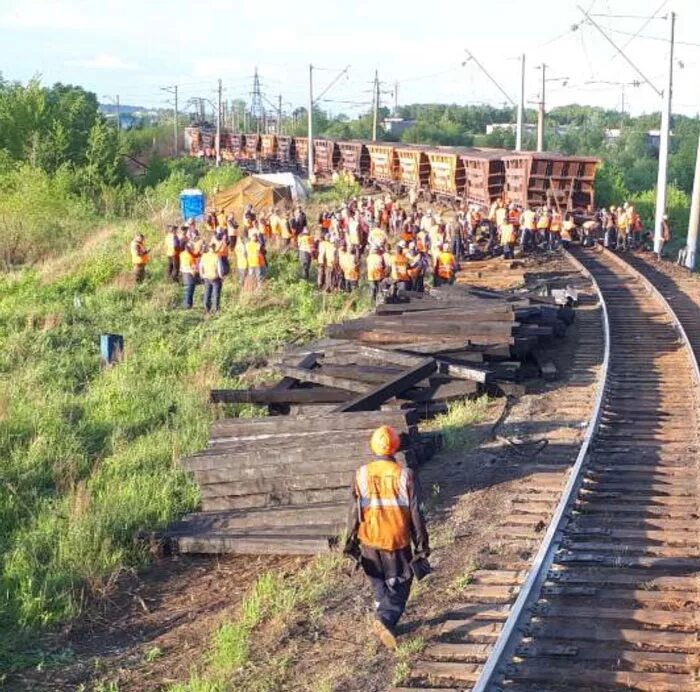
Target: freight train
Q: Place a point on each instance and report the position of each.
(463, 175)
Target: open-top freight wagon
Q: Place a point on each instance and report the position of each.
(414, 168)
(474, 176)
(384, 163)
(542, 178)
(326, 156)
(355, 159)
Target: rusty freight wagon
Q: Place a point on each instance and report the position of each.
(302, 152)
(414, 167)
(484, 176)
(253, 145)
(354, 158)
(238, 146)
(446, 173)
(193, 141)
(384, 163)
(326, 156)
(226, 147)
(562, 182)
(268, 148)
(286, 151)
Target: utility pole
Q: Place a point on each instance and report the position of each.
(694, 223)
(218, 126)
(279, 114)
(375, 106)
(396, 99)
(173, 90)
(521, 107)
(663, 145)
(312, 177)
(119, 116)
(540, 112)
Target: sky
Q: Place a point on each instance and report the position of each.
(133, 48)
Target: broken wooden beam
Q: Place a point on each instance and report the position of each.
(273, 395)
(377, 396)
(317, 377)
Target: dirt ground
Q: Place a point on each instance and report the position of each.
(157, 624)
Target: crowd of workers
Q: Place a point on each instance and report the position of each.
(391, 247)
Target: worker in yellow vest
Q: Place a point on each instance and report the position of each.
(241, 257)
(172, 252)
(211, 272)
(567, 231)
(189, 271)
(375, 270)
(445, 266)
(555, 223)
(306, 251)
(384, 519)
(139, 257)
(508, 240)
(257, 263)
(325, 262)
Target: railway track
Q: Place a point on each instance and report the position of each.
(612, 600)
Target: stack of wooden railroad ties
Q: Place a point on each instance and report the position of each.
(281, 483)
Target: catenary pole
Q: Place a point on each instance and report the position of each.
(694, 224)
(521, 107)
(540, 112)
(218, 126)
(375, 106)
(663, 146)
(312, 177)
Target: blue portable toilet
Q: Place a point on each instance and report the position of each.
(192, 204)
(111, 349)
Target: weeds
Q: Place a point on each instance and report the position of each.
(455, 424)
(406, 651)
(90, 456)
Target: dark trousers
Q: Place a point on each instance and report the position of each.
(305, 261)
(349, 285)
(212, 294)
(139, 273)
(391, 599)
(189, 282)
(174, 268)
(374, 289)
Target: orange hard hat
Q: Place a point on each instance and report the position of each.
(385, 441)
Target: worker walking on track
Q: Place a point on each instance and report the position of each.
(384, 518)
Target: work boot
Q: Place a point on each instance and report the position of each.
(384, 634)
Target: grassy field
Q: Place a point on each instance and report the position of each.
(90, 456)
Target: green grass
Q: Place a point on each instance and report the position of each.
(90, 456)
(457, 424)
(227, 666)
(406, 651)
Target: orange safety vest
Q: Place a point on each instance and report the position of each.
(555, 225)
(139, 256)
(209, 266)
(305, 243)
(171, 245)
(375, 267)
(256, 258)
(383, 490)
(399, 268)
(197, 246)
(420, 241)
(348, 264)
(446, 265)
(188, 263)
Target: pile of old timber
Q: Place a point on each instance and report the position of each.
(280, 484)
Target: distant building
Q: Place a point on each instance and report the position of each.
(509, 127)
(396, 126)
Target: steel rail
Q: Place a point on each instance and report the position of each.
(506, 642)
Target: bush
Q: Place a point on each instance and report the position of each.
(677, 205)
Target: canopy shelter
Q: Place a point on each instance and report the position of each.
(261, 194)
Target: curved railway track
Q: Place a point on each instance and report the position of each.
(612, 598)
(615, 603)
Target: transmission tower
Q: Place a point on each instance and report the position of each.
(257, 110)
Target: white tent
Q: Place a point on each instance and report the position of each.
(297, 188)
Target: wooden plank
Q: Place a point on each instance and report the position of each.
(450, 391)
(476, 373)
(281, 485)
(306, 363)
(367, 374)
(222, 544)
(377, 396)
(293, 497)
(388, 356)
(317, 377)
(281, 395)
